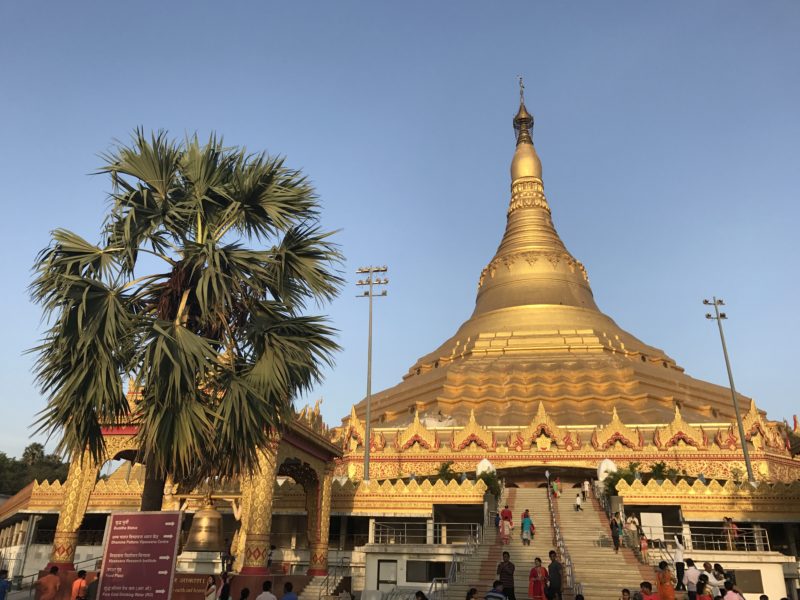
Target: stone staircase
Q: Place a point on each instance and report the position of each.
(315, 588)
(479, 570)
(587, 536)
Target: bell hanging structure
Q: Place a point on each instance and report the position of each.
(205, 534)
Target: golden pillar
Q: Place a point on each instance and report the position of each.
(257, 515)
(318, 507)
(78, 488)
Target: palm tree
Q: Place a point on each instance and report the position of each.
(198, 292)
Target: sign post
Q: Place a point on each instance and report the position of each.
(139, 556)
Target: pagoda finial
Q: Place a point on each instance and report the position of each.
(523, 121)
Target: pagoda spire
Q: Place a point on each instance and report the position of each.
(532, 265)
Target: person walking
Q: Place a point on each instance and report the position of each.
(731, 593)
(616, 531)
(288, 591)
(5, 584)
(555, 572)
(644, 544)
(211, 588)
(578, 501)
(527, 528)
(266, 591)
(632, 531)
(714, 582)
(665, 582)
(679, 566)
(704, 591)
(91, 591)
(690, 578)
(49, 585)
(505, 573)
(505, 525)
(79, 587)
(646, 589)
(585, 489)
(537, 580)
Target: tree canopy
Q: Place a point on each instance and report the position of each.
(16, 473)
(197, 292)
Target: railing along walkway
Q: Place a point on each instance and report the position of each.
(558, 541)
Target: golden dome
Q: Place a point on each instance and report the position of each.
(537, 336)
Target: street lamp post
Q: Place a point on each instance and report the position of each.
(719, 317)
(373, 278)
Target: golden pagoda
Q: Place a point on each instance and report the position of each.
(537, 355)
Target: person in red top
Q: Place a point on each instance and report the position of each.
(506, 514)
(647, 591)
(505, 525)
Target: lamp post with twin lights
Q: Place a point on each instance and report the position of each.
(719, 317)
(375, 276)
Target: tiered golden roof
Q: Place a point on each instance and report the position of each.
(537, 336)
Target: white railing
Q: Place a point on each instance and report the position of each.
(420, 532)
(716, 539)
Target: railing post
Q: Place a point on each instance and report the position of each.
(371, 535)
(687, 537)
(429, 531)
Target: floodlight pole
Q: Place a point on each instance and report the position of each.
(370, 282)
(719, 317)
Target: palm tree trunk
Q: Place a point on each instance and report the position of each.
(153, 492)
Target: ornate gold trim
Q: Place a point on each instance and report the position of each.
(473, 433)
(679, 430)
(616, 431)
(416, 433)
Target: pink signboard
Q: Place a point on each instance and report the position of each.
(139, 557)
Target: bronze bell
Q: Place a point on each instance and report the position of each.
(206, 534)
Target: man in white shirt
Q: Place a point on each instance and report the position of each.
(690, 579)
(716, 584)
(266, 594)
(586, 488)
(678, 559)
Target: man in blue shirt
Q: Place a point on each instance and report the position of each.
(288, 594)
(5, 584)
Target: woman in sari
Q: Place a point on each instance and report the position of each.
(537, 580)
(505, 531)
(665, 581)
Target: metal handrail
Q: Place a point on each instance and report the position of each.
(337, 571)
(718, 539)
(35, 576)
(86, 537)
(558, 540)
(421, 533)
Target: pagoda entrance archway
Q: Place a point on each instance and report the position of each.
(307, 458)
(78, 488)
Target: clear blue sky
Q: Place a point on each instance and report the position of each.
(668, 133)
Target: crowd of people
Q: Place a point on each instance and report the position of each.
(543, 582)
(223, 590)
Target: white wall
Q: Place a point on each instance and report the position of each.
(769, 563)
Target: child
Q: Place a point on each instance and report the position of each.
(578, 501)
